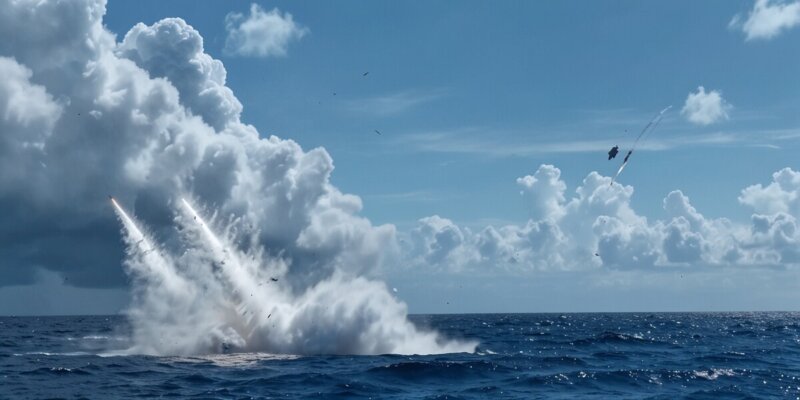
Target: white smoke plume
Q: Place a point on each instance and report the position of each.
(218, 296)
(150, 120)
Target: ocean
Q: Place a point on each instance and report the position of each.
(520, 356)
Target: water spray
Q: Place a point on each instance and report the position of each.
(253, 300)
(211, 296)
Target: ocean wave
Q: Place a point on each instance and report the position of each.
(610, 337)
(233, 359)
(54, 354)
(56, 371)
(433, 370)
(563, 360)
(713, 374)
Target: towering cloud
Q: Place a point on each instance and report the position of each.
(173, 50)
(150, 120)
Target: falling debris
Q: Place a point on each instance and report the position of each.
(378, 132)
(365, 73)
(270, 314)
(273, 279)
(597, 254)
(647, 128)
(613, 152)
(394, 289)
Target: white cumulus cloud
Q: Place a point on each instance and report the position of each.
(597, 228)
(173, 50)
(782, 195)
(768, 19)
(705, 108)
(262, 33)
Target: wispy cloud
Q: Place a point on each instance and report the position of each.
(394, 103)
(490, 143)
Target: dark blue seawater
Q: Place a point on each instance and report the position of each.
(670, 355)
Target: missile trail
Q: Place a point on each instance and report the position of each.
(206, 294)
(130, 226)
(647, 128)
(153, 265)
(244, 282)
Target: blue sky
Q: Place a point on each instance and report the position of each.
(468, 97)
(503, 76)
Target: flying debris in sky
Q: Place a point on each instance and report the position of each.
(647, 128)
(365, 73)
(378, 132)
(613, 152)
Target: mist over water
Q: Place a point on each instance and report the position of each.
(219, 291)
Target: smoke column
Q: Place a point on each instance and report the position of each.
(214, 295)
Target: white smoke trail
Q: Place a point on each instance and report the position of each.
(164, 305)
(218, 297)
(651, 126)
(145, 261)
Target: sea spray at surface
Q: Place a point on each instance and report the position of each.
(214, 295)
